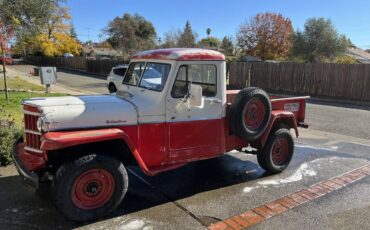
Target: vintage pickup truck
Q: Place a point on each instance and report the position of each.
(173, 109)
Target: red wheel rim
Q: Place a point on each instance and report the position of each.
(254, 114)
(280, 151)
(92, 189)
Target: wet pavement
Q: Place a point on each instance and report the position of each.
(205, 192)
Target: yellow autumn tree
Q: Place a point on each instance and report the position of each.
(56, 39)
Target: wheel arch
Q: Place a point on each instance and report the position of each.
(280, 119)
(61, 146)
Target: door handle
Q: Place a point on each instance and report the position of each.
(213, 100)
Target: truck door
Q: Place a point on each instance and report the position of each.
(194, 132)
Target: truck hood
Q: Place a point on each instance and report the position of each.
(77, 112)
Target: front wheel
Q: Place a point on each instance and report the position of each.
(90, 187)
(278, 151)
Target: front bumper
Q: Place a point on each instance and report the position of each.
(29, 178)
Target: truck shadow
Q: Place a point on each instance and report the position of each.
(22, 207)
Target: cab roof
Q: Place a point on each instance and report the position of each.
(181, 54)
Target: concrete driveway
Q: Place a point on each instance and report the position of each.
(207, 193)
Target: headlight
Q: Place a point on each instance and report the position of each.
(42, 126)
(39, 124)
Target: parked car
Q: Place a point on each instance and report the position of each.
(7, 59)
(68, 55)
(172, 109)
(115, 78)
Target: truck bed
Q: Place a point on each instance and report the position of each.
(296, 105)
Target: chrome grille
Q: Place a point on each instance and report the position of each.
(31, 135)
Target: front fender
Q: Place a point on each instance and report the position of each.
(280, 117)
(64, 139)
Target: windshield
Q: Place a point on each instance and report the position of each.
(148, 75)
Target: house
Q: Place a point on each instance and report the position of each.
(249, 58)
(101, 53)
(360, 55)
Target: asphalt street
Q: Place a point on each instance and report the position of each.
(205, 192)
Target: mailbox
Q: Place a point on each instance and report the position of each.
(48, 75)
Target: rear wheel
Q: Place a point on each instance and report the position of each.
(112, 88)
(90, 187)
(278, 152)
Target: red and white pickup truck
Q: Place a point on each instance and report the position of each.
(173, 109)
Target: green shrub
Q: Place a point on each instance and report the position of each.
(8, 136)
(345, 60)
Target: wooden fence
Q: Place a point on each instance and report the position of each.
(102, 67)
(319, 79)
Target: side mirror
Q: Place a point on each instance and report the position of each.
(196, 95)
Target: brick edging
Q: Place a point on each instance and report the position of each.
(283, 204)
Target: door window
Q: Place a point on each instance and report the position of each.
(155, 76)
(198, 74)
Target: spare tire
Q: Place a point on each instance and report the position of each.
(250, 113)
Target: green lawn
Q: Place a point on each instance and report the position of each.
(12, 110)
(18, 83)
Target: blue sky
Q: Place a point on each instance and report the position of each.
(351, 18)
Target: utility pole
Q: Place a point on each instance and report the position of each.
(88, 33)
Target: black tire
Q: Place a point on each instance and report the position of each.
(112, 88)
(252, 104)
(278, 152)
(90, 172)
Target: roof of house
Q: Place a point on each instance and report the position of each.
(180, 54)
(359, 54)
(103, 51)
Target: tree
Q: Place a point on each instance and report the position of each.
(27, 16)
(187, 38)
(6, 34)
(57, 45)
(209, 42)
(208, 32)
(21, 18)
(72, 31)
(319, 41)
(55, 37)
(30, 14)
(266, 35)
(171, 38)
(131, 33)
(227, 46)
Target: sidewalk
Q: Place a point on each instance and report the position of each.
(57, 88)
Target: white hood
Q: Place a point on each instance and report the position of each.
(76, 112)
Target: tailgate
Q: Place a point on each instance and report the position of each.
(296, 105)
